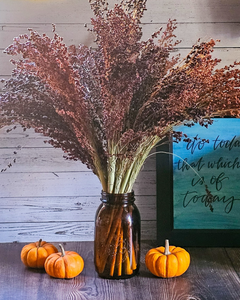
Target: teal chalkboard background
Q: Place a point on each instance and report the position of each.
(218, 162)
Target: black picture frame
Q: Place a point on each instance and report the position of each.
(165, 229)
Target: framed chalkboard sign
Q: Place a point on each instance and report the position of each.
(183, 211)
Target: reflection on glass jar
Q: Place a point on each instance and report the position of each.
(117, 236)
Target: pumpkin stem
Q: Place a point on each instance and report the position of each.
(62, 250)
(167, 252)
(39, 243)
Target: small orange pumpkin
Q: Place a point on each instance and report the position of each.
(64, 264)
(167, 262)
(34, 255)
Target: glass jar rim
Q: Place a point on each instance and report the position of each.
(117, 198)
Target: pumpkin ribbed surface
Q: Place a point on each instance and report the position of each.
(34, 255)
(175, 263)
(67, 264)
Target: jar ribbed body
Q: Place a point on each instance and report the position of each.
(117, 236)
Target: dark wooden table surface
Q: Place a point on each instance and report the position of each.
(214, 273)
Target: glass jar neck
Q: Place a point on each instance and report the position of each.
(117, 198)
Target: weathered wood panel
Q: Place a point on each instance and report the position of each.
(33, 159)
(158, 11)
(25, 203)
(227, 55)
(75, 34)
(64, 184)
(18, 138)
(60, 231)
(66, 209)
(50, 231)
(43, 194)
(233, 254)
(211, 276)
(32, 154)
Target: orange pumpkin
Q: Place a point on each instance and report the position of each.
(34, 255)
(64, 264)
(167, 262)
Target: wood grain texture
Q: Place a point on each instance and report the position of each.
(42, 192)
(75, 11)
(64, 184)
(58, 231)
(75, 34)
(67, 209)
(211, 276)
(233, 254)
(227, 55)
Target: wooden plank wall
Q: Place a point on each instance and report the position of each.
(44, 196)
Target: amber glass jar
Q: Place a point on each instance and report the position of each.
(117, 236)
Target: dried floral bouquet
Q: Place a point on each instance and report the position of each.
(110, 105)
